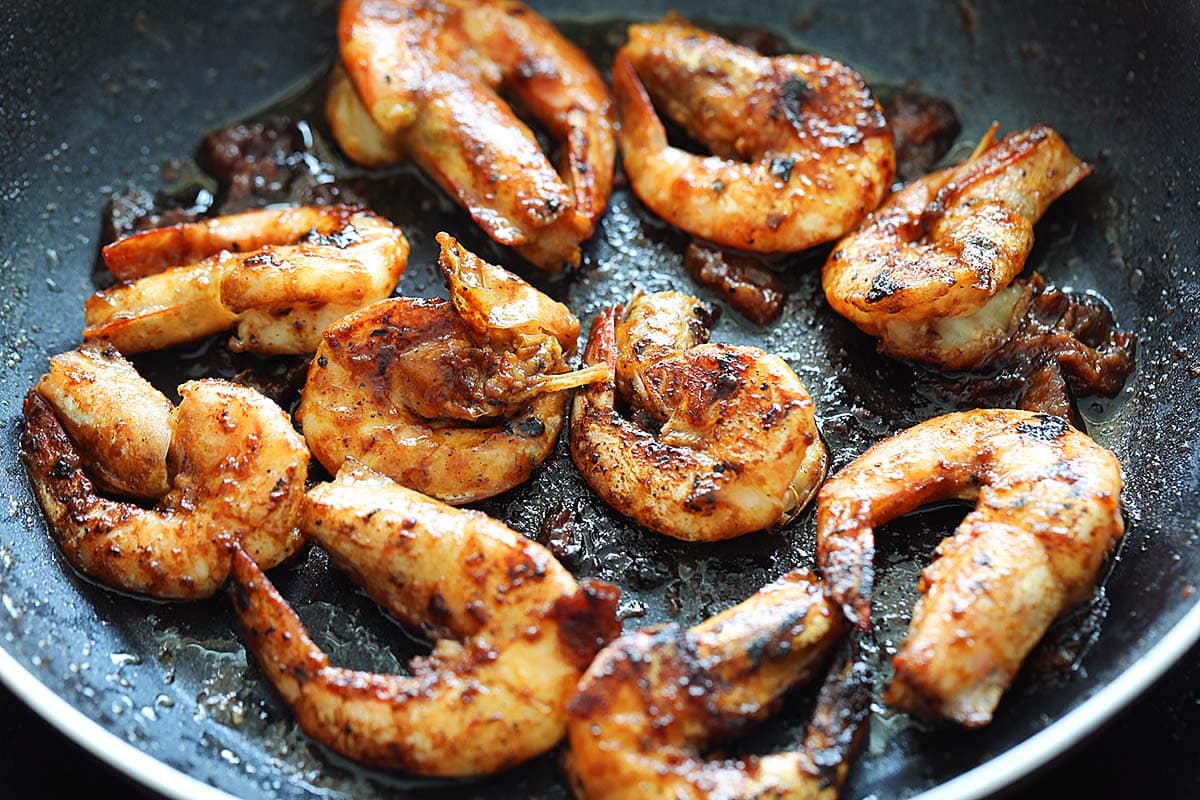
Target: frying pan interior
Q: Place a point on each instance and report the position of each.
(99, 94)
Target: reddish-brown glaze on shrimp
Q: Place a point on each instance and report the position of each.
(931, 272)
(277, 276)
(423, 82)
(654, 700)
(800, 148)
(722, 440)
(460, 399)
(236, 468)
(513, 630)
(1047, 512)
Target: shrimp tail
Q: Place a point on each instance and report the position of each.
(272, 630)
(639, 122)
(847, 568)
(842, 714)
(602, 341)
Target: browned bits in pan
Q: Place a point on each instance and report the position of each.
(748, 286)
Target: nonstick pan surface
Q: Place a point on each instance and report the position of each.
(98, 95)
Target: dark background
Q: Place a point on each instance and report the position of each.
(1150, 749)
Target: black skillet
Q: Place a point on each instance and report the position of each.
(96, 95)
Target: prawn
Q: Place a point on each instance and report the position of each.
(652, 701)
(279, 276)
(1047, 514)
(722, 441)
(422, 81)
(459, 399)
(513, 632)
(801, 150)
(236, 468)
(931, 272)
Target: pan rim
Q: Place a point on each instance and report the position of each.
(998, 772)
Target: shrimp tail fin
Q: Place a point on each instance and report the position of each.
(640, 124)
(842, 713)
(847, 568)
(272, 630)
(55, 470)
(985, 141)
(602, 341)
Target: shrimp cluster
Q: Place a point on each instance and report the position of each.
(653, 700)
(513, 632)
(801, 150)
(460, 399)
(226, 469)
(931, 273)
(419, 405)
(420, 82)
(722, 441)
(278, 276)
(1047, 514)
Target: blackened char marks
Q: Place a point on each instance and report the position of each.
(587, 620)
(1047, 428)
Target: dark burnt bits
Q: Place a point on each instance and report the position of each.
(925, 127)
(1044, 428)
(135, 209)
(882, 287)
(238, 168)
(271, 162)
(750, 288)
(1068, 345)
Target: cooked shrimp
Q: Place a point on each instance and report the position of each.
(722, 440)
(1047, 513)
(931, 272)
(278, 276)
(459, 399)
(653, 700)
(800, 148)
(120, 424)
(514, 633)
(424, 78)
(237, 479)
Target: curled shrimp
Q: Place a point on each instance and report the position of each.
(931, 271)
(653, 700)
(278, 276)
(722, 441)
(422, 84)
(801, 150)
(459, 399)
(513, 632)
(1047, 513)
(236, 468)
